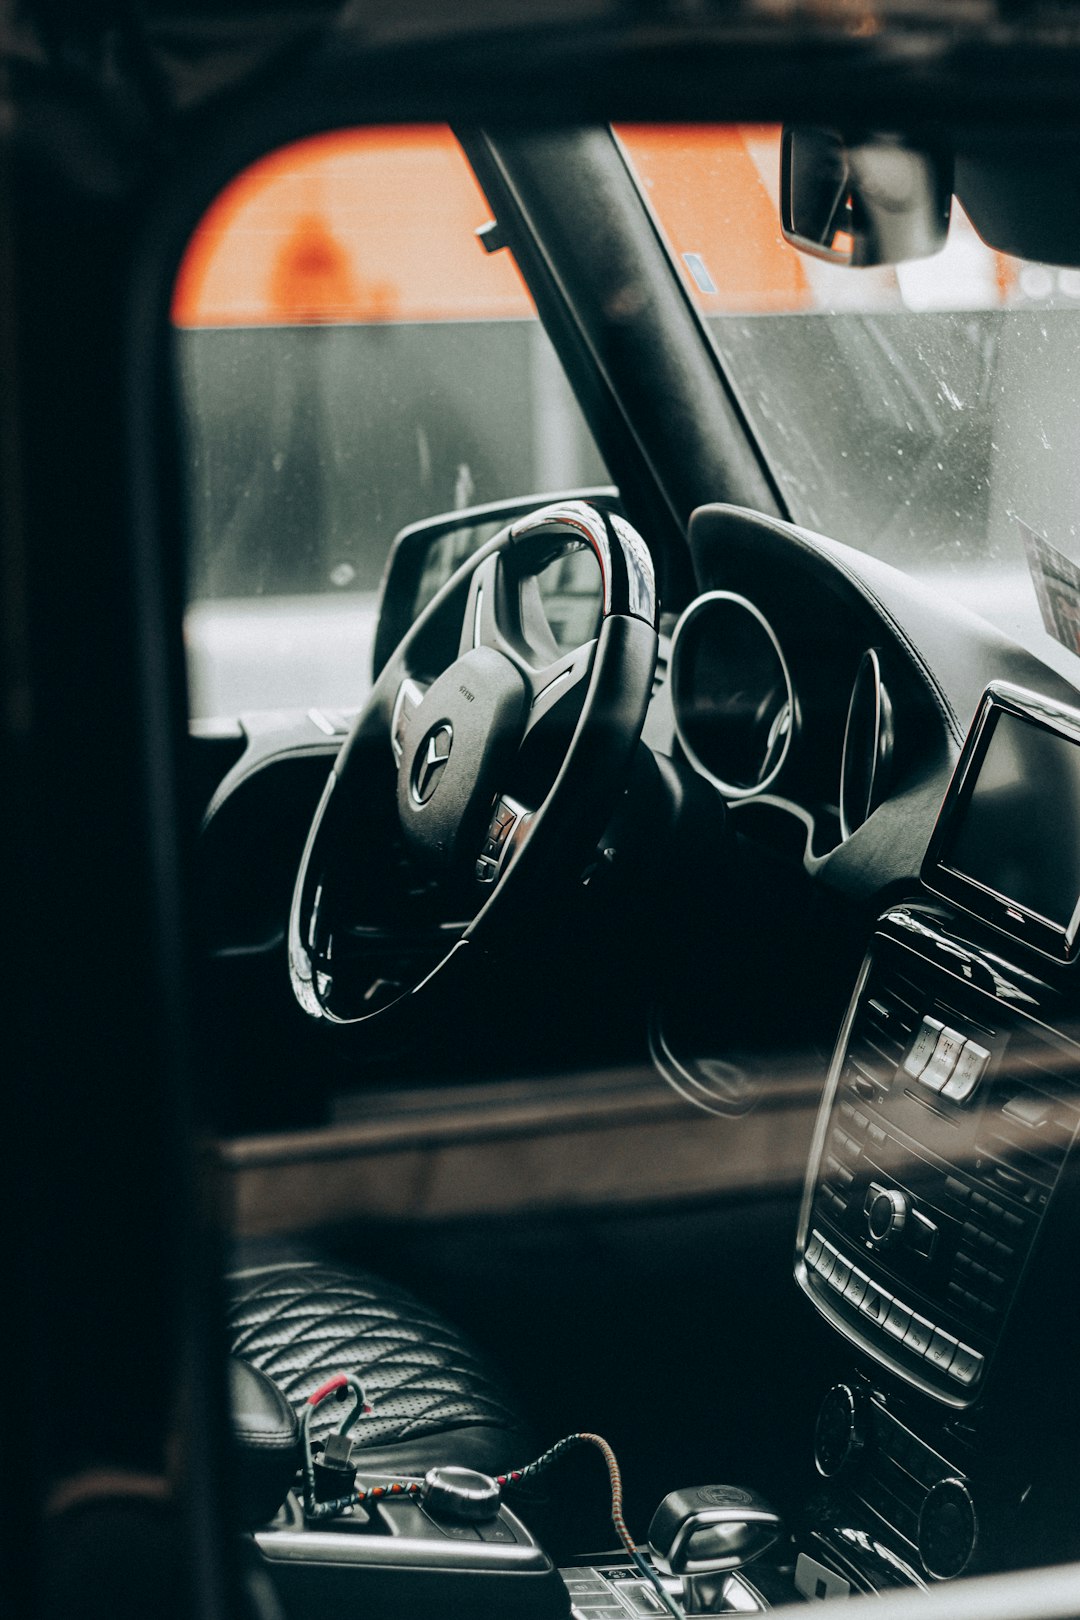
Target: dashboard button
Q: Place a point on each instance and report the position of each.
(840, 1274)
(922, 1049)
(969, 1070)
(825, 1261)
(886, 1212)
(898, 1319)
(814, 1248)
(941, 1349)
(876, 1303)
(967, 1364)
(857, 1285)
(922, 1234)
(918, 1335)
(950, 1043)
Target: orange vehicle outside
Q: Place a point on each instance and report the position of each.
(338, 228)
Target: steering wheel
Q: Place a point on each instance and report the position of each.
(480, 776)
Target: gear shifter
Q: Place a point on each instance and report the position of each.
(704, 1534)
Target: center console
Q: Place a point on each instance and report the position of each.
(934, 1188)
(948, 1119)
(950, 1110)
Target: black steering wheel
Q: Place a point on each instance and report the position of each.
(480, 776)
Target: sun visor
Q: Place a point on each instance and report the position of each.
(1022, 194)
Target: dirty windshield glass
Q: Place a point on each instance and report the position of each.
(927, 414)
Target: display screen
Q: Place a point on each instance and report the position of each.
(1018, 834)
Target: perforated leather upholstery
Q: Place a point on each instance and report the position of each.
(434, 1399)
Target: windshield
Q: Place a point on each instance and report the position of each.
(927, 414)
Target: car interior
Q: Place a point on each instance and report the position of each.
(543, 738)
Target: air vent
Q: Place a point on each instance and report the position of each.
(1035, 1117)
(888, 1013)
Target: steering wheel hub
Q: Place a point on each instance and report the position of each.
(456, 746)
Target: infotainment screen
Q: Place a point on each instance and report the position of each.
(1007, 842)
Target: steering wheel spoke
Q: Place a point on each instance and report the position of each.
(410, 695)
(553, 684)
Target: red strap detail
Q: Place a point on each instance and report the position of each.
(339, 1381)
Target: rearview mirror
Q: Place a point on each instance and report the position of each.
(880, 199)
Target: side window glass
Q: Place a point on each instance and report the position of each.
(350, 360)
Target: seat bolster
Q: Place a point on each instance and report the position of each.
(434, 1398)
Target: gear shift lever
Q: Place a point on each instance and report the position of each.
(704, 1534)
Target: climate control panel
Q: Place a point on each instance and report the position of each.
(946, 1121)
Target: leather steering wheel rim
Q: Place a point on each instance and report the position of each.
(447, 740)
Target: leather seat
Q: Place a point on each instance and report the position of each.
(435, 1400)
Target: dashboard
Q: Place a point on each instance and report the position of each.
(902, 756)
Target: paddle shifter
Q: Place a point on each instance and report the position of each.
(705, 1534)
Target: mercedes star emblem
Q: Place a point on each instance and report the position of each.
(430, 763)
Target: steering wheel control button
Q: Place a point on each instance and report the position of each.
(939, 1070)
(970, 1067)
(460, 1494)
(948, 1529)
(922, 1049)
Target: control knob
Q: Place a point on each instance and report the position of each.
(460, 1493)
(948, 1529)
(840, 1433)
(886, 1214)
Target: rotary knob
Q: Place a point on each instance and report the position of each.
(840, 1433)
(460, 1493)
(886, 1214)
(948, 1529)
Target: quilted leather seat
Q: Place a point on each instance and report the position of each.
(434, 1398)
